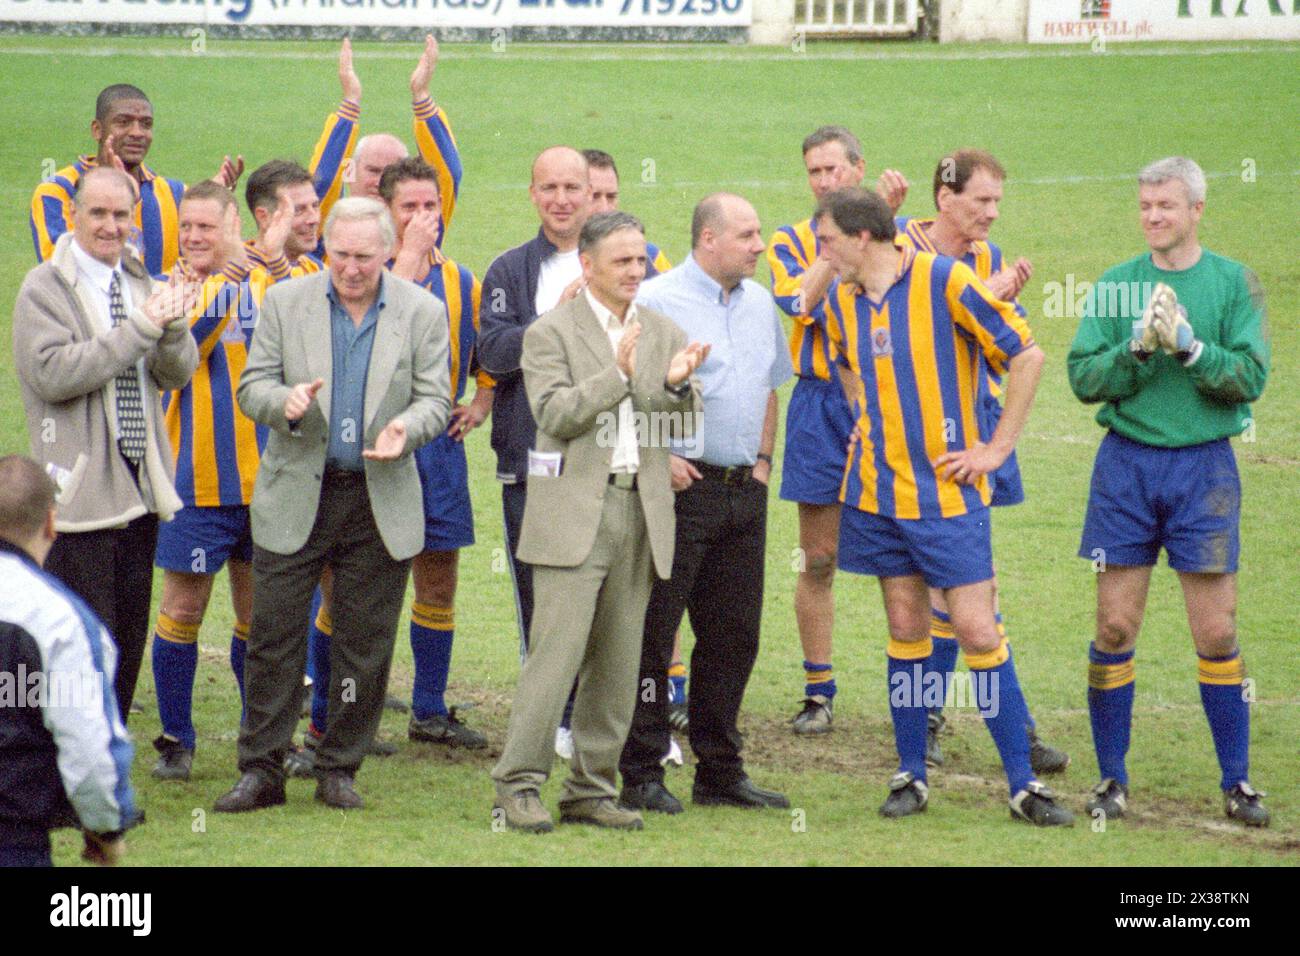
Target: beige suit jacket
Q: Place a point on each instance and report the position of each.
(574, 389)
(408, 378)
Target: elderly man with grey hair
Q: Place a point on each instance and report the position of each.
(1174, 345)
(348, 369)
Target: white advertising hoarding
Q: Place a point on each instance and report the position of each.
(389, 13)
(1084, 21)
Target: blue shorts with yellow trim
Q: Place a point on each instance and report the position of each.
(817, 429)
(444, 479)
(1143, 498)
(946, 552)
(1007, 486)
(202, 540)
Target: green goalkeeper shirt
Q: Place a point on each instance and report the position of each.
(1160, 401)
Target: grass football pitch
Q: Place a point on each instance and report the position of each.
(1072, 128)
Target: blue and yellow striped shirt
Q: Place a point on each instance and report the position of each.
(918, 355)
(658, 261)
(157, 218)
(215, 446)
(437, 147)
(985, 258)
(458, 289)
(791, 251)
(329, 160)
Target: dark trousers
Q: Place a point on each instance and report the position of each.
(368, 590)
(26, 856)
(112, 571)
(513, 498)
(718, 578)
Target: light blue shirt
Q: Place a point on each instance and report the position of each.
(748, 358)
(351, 345)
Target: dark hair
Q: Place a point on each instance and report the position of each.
(956, 169)
(262, 191)
(598, 227)
(835, 134)
(26, 497)
(404, 170)
(114, 94)
(207, 189)
(855, 211)
(599, 159)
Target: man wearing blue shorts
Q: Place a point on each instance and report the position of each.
(911, 326)
(1175, 344)
(967, 190)
(818, 422)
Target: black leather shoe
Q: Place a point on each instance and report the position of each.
(653, 796)
(254, 791)
(742, 793)
(336, 790)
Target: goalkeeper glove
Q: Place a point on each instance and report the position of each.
(1169, 319)
(1145, 338)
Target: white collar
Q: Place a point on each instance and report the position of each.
(607, 319)
(97, 272)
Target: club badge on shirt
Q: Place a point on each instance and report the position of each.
(880, 344)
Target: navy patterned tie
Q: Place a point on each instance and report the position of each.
(130, 410)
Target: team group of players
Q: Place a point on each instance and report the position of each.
(902, 332)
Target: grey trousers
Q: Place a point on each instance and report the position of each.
(587, 622)
(368, 590)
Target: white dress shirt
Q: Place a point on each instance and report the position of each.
(626, 458)
(98, 277)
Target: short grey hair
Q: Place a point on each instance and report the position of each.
(357, 209)
(606, 223)
(835, 134)
(1176, 167)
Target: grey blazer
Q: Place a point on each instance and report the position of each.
(408, 378)
(574, 389)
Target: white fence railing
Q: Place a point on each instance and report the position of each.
(856, 17)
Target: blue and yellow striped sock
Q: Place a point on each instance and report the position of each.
(1002, 705)
(1110, 708)
(818, 679)
(432, 630)
(1228, 712)
(943, 659)
(175, 659)
(676, 683)
(238, 650)
(318, 664)
(906, 702)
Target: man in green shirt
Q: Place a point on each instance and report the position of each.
(1174, 343)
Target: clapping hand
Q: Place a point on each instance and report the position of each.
(685, 362)
(625, 356)
(173, 300)
(892, 188)
(1007, 282)
(423, 71)
(390, 444)
(300, 398)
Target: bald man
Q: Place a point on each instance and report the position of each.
(364, 160)
(521, 284)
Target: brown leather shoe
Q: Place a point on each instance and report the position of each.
(523, 810)
(254, 791)
(336, 790)
(601, 812)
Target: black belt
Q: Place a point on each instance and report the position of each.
(623, 480)
(730, 475)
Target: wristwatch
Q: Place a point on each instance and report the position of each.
(680, 390)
